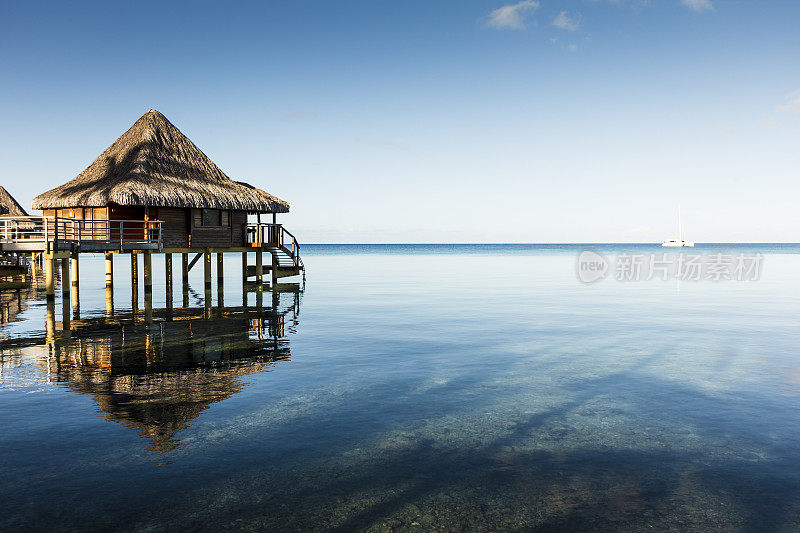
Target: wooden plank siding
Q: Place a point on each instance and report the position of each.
(174, 233)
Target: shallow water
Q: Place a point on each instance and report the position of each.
(411, 388)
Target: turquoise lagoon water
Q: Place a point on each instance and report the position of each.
(410, 388)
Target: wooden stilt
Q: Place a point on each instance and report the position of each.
(220, 279)
(65, 280)
(244, 279)
(274, 269)
(109, 301)
(134, 282)
(49, 276)
(185, 278)
(259, 267)
(207, 281)
(109, 269)
(185, 268)
(76, 302)
(75, 272)
(168, 273)
(148, 286)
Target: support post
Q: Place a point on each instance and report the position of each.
(274, 269)
(148, 286)
(168, 272)
(185, 278)
(65, 280)
(76, 301)
(259, 267)
(75, 272)
(49, 276)
(244, 279)
(109, 270)
(207, 281)
(220, 278)
(134, 282)
(185, 269)
(109, 301)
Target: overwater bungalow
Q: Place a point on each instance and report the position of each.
(9, 206)
(10, 269)
(154, 191)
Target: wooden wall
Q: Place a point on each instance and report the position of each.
(175, 234)
(181, 226)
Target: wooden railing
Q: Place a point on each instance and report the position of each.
(274, 235)
(56, 232)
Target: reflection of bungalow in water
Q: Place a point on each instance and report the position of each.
(157, 378)
(14, 300)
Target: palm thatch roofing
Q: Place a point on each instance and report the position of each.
(154, 164)
(9, 206)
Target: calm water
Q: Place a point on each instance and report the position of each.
(410, 388)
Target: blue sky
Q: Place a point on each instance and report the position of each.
(434, 121)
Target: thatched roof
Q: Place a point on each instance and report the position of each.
(154, 164)
(9, 206)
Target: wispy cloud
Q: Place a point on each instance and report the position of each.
(792, 104)
(698, 5)
(512, 16)
(565, 22)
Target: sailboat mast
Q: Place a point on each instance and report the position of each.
(680, 230)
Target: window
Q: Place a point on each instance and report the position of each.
(212, 217)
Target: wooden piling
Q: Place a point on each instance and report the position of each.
(148, 286)
(49, 276)
(259, 268)
(75, 272)
(220, 279)
(185, 269)
(185, 278)
(134, 282)
(65, 280)
(109, 301)
(168, 273)
(109, 270)
(274, 269)
(207, 282)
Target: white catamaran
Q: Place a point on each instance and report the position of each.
(677, 242)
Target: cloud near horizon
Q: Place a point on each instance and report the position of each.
(698, 5)
(512, 16)
(564, 22)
